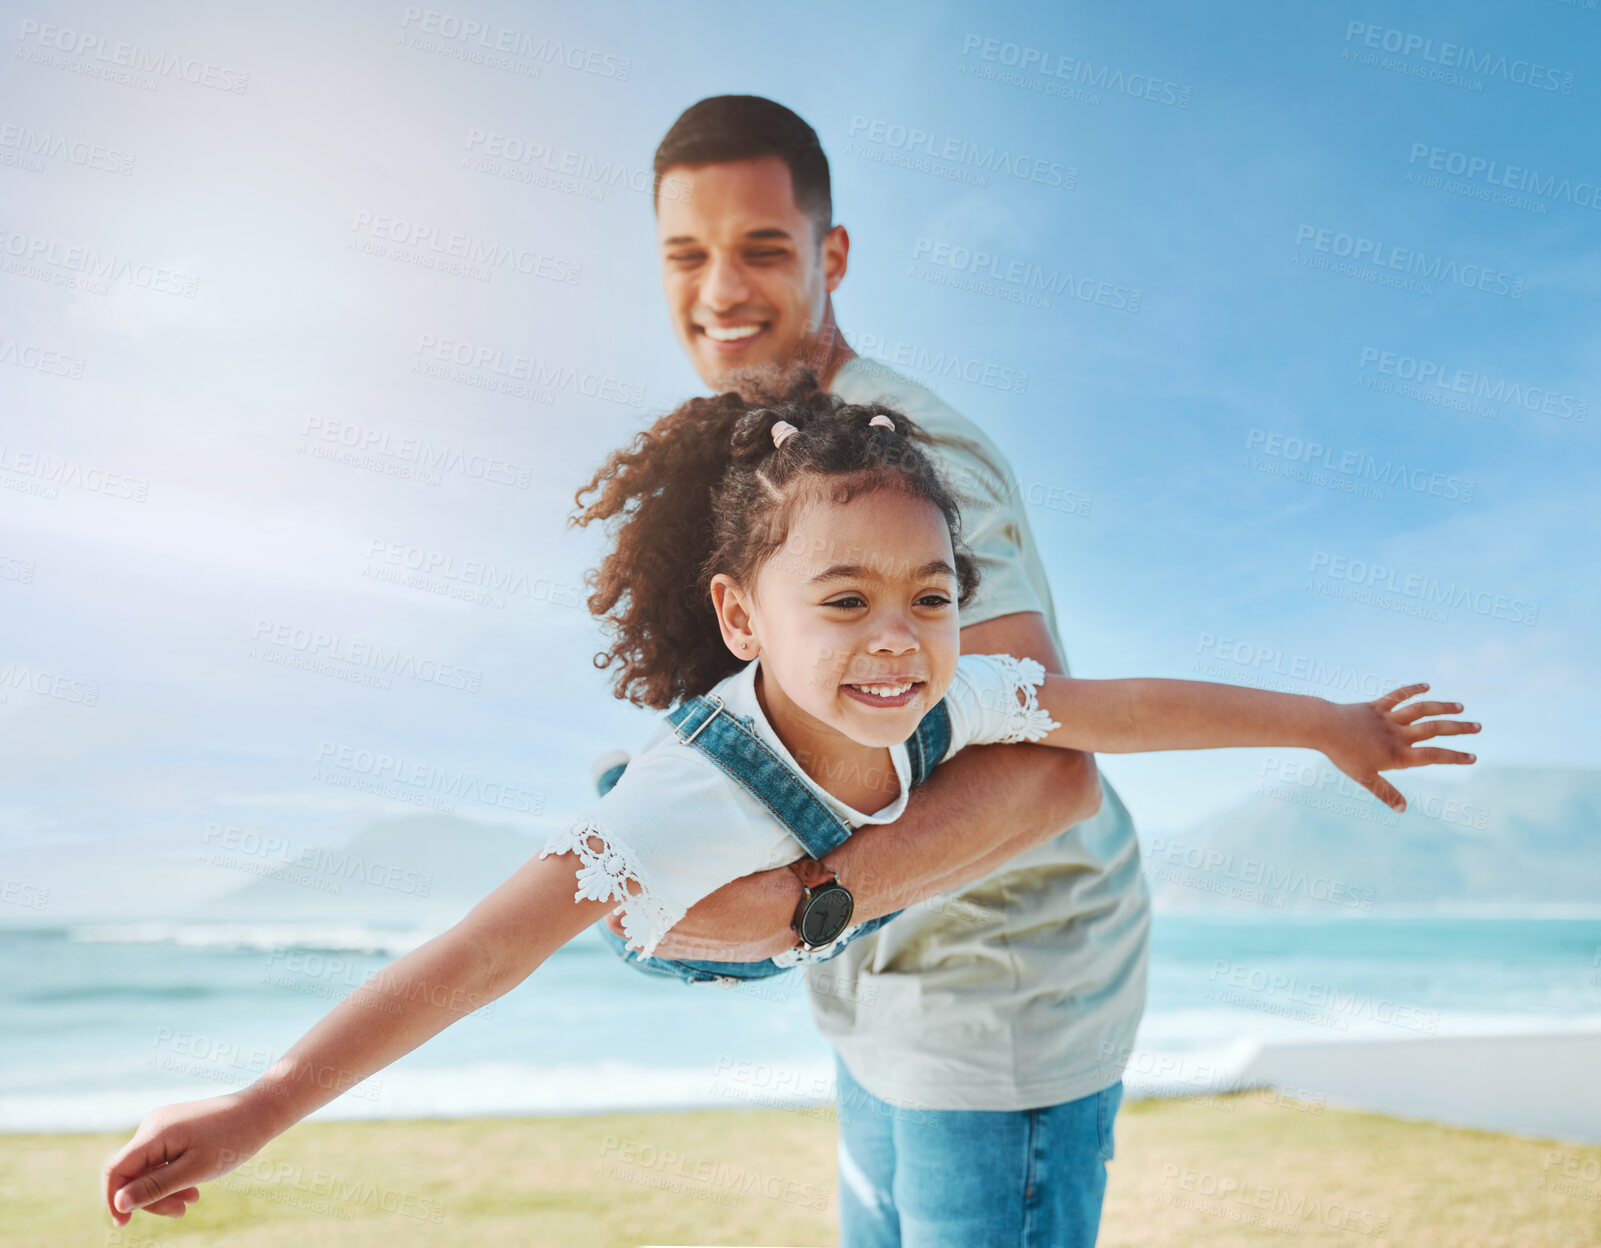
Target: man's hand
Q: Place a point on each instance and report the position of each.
(741, 907)
(975, 813)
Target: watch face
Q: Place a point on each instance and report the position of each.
(826, 916)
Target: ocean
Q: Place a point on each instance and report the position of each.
(102, 1023)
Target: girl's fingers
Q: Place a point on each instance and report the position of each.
(111, 1179)
(1410, 714)
(135, 1186)
(173, 1206)
(131, 1159)
(1429, 754)
(1442, 728)
(1397, 696)
(1385, 792)
(150, 1171)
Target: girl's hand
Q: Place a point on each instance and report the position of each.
(1369, 737)
(176, 1147)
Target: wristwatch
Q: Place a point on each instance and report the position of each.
(825, 904)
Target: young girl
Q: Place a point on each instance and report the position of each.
(801, 564)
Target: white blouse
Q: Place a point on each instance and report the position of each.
(677, 827)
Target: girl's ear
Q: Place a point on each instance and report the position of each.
(734, 616)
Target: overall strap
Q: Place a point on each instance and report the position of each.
(707, 725)
(928, 744)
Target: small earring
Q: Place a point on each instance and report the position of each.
(744, 645)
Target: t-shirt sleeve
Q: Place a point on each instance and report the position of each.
(670, 832)
(988, 500)
(994, 700)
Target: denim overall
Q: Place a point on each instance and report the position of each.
(731, 742)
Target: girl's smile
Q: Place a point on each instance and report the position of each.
(885, 692)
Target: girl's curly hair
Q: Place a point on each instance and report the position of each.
(703, 491)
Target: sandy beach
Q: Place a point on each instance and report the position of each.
(1238, 1169)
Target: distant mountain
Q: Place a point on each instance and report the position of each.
(1309, 841)
(1313, 840)
(426, 870)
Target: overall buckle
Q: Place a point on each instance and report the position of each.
(716, 710)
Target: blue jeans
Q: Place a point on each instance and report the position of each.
(942, 1178)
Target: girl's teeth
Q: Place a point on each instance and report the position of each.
(885, 691)
(732, 335)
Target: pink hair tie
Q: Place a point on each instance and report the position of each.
(883, 422)
(781, 431)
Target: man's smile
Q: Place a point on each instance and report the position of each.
(729, 339)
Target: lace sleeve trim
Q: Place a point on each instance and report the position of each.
(604, 875)
(1026, 720)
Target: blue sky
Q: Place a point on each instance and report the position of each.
(1224, 163)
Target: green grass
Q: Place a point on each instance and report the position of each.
(1205, 1172)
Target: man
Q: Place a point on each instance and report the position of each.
(980, 1040)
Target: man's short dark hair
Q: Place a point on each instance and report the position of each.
(725, 128)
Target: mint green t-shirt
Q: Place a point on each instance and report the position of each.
(1023, 988)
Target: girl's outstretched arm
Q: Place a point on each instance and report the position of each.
(500, 942)
(1360, 738)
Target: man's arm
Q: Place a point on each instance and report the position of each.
(984, 807)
